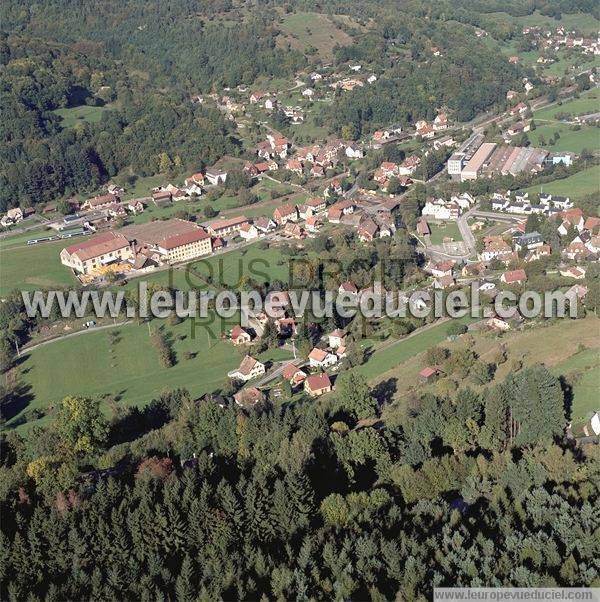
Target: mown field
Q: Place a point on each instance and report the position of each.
(445, 230)
(583, 22)
(528, 347)
(125, 370)
(32, 267)
(574, 140)
(576, 186)
(587, 103)
(74, 115)
(581, 371)
(306, 30)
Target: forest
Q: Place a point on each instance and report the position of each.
(142, 64)
(354, 499)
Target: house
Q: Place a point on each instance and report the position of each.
(338, 210)
(293, 230)
(135, 206)
(423, 227)
(511, 95)
(256, 97)
(316, 204)
(319, 358)
(312, 224)
(216, 176)
(347, 287)
(195, 179)
(293, 374)
(239, 336)
(529, 241)
(577, 273)
(519, 109)
(308, 92)
(409, 166)
(294, 166)
(514, 277)
(336, 338)
(264, 224)
(317, 384)
(353, 151)
(317, 171)
(371, 79)
(248, 231)
(496, 323)
(161, 197)
(513, 60)
(227, 227)
(249, 368)
(537, 253)
(444, 282)
(101, 202)
(367, 230)
(441, 268)
(441, 209)
(495, 247)
(12, 216)
(429, 374)
(519, 128)
(284, 214)
(249, 397)
(96, 252)
(578, 291)
(440, 122)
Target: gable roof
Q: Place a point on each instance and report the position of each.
(316, 382)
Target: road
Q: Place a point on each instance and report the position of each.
(77, 333)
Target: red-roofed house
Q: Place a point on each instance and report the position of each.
(514, 277)
(96, 252)
(318, 358)
(284, 214)
(239, 336)
(318, 384)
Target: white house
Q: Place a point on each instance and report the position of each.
(318, 358)
(249, 368)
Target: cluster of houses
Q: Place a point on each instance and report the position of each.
(313, 376)
(402, 172)
(442, 209)
(428, 130)
(15, 215)
(520, 203)
(549, 42)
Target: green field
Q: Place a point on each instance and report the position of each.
(128, 371)
(313, 30)
(389, 356)
(582, 22)
(226, 270)
(587, 103)
(33, 267)
(579, 185)
(444, 230)
(570, 140)
(581, 371)
(74, 115)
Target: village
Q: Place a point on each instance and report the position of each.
(336, 186)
